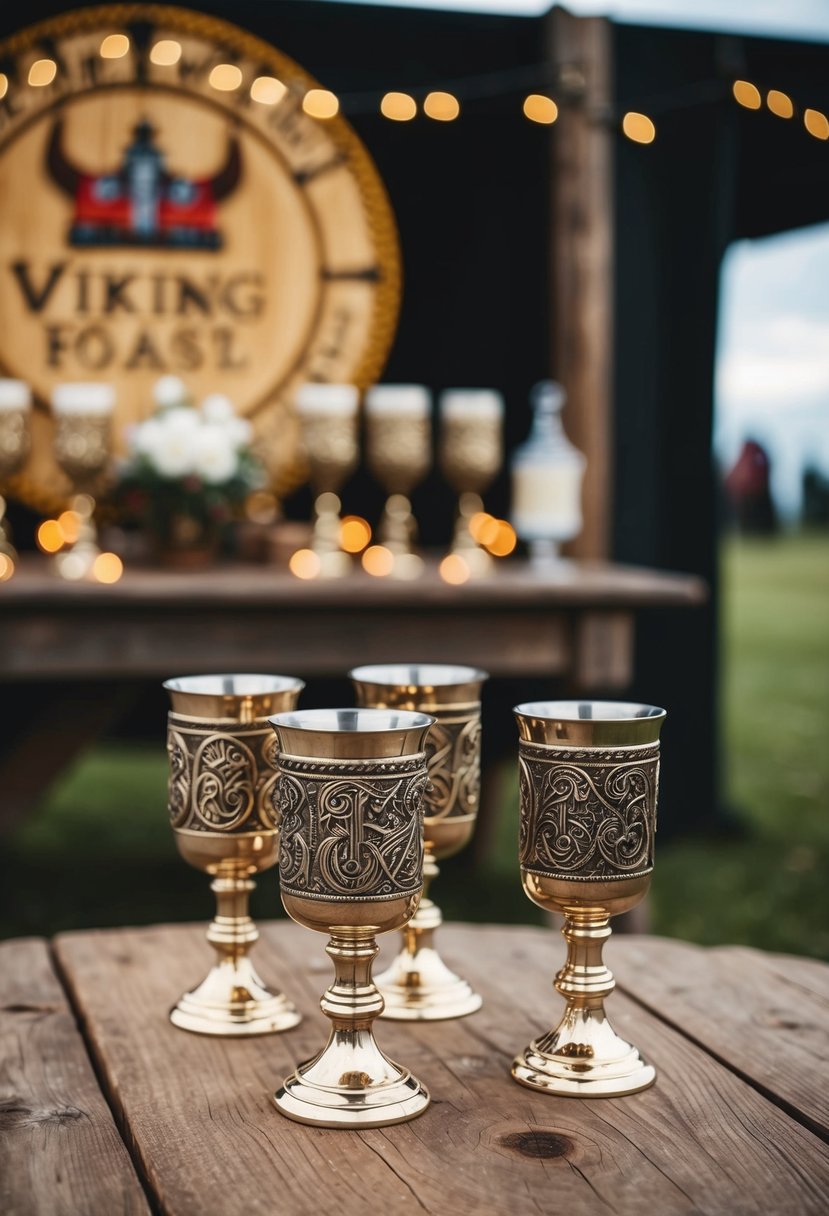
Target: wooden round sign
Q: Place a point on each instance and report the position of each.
(170, 207)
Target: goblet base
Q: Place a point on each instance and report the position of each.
(420, 987)
(234, 1003)
(360, 1106)
(583, 1058)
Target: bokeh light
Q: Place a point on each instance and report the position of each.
(355, 534)
(747, 94)
(50, 536)
(304, 564)
(69, 523)
(378, 561)
(816, 123)
(639, 127)
(504, 541)
(115, 46)
(42, 72)
(225, 77)
(165, 53)
(483, 527)
(539, 108)
(453, 569)
(107, 568)
(6, 567)
(442, 107)
(320, 103)
(267, 90)
(399, 107)
(780, 103)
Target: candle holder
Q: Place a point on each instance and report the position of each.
(82, 445)
(399, 452)
(589, 778)
(222, 778)
(471, 450)
(351, 865)
(15, 445)
(418, 986)
(328, 425)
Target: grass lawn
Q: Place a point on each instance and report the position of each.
(99, 851)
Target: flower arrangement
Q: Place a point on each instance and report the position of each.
(187, 471)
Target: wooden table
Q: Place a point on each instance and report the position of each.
(105, 1108)
(75, 650)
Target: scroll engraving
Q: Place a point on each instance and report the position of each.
(351, 829)
(588, 814)
(453, 749)
(221, 780)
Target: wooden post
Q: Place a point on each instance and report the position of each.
(582, 256)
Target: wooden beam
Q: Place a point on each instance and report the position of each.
(582, 256)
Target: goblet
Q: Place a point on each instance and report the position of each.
(399, 452)
(418, 986)
(222, 780)
(15, 444)
(589, 777)
(83, 440)
(351, 785)
(471, 450)
(328, 421)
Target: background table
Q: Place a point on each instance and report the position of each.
(167, 1122)
(76, 652)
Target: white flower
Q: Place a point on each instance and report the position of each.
(181, 420)
(218, 408)
(240, 432)
(168, 391)
(215, 456)
(145, 436)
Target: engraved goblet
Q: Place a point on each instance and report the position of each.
(351, 785)
(15, 445)
(589, 778)
(399, 452)
(328, 421)
(222, 780)
(418, 986)
(83, 442)
(471, 449)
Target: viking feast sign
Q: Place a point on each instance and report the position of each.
(169, 207)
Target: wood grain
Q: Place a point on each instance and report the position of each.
(60, 1152)
(202, 1127)
(777, 1040)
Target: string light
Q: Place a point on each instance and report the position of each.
(225, 77)
(539, 108)
(165, 53)
(638, 127)
(319, 103)
(399, 107)
(267, 90)
(442, 107)
(42, 72)
(747, 94)
(114, 46)
(816, 123)
(779, 103)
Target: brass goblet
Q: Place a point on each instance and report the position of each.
(399, 452)
(328, 422)
(471, 450)
(351, 787)
(83, 443)
(589, 777)
(418, 986)
(222, 779)
(15, 445)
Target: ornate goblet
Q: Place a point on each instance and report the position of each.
(399, 451)
(328, 421)
(222, 780)
(589, 777)
(471, 450)
(15, 444)
(351, 785)
(83, 441)
(418, 986)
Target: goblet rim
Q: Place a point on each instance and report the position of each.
(203, 684)
(610, 711)
(399, 675)
(329, 721)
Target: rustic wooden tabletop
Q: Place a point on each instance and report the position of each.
(105, 1108)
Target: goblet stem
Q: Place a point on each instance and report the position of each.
(584, 1056)
(351, 1083)
(418, 986)
(232, 1000)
